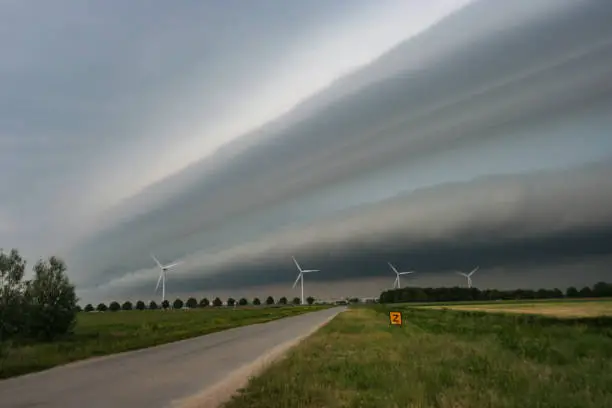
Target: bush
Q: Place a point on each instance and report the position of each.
(165, 304)
(231, 302)
(310, 300)
(204, 302)
(114, 306)
(126, 305)
(52, 300)
(89, 308)
(140, 305)
(153, 305)
(101, 307)
(217, 302)
(282, 301)
(296, 301)
(243, 302)
(178, 304)
(192, 303)
(256, 302)
(270, 300)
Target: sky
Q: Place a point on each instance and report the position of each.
(233, 135)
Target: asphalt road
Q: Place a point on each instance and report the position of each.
(157, 376)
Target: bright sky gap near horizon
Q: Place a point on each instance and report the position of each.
(232, 135)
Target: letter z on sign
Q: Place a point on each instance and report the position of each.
(395, 318)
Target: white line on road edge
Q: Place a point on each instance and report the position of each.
(222, 391)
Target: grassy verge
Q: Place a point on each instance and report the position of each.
(560, 309)
(442, 358)
(99, 334)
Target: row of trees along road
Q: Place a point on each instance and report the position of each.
(191, 303)
(41, 308)
(414, 294)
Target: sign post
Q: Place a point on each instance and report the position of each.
(395, 318)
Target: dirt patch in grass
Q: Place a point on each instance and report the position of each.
(557, 309)
(441, 358)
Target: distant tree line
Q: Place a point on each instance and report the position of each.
(191, 303)
(452, 294)
(42, 308)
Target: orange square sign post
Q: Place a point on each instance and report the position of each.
(395, 318)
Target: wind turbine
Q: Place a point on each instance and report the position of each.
(468, 276)
(396, 283)
(300, 276)
(162, 275)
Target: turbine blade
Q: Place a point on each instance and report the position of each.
(393, 267)
(296, 281)
(405, 273)
(156, 261)
(158, 281)
(311, 270)
(297, 264)
(172, 265)
(473, 271)
(462, 274)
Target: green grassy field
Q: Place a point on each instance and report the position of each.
(442, 358)
(98, 334)
(561, 309)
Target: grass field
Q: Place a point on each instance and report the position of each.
(98, 334)
(560, 309)
(442, 358)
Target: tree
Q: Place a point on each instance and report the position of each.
(296, 301)
(89, 307)
(602, 289)
(126, 305)
(204, 302)
(270, 300)
(78, 308)
(101, 307)
(114, 306)
(165, 305)
(256, 302)
(140, 305)
(282, 301)
(192, 303)
(586, 292)
(231, 301)
(12, 288)
(178, 304)
(310, 300)
(243, 302)
(153, 305)
(52, 300)
(571, 292)
(217, 302)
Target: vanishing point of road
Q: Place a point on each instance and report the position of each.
(157, 376)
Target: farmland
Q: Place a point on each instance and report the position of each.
(561, 309)
(442, 358)
(98, 334)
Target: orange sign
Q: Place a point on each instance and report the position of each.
(395, 318)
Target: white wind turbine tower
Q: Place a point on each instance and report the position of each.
(469, 276)
(300, 276)
(396, 283)
(162, 275)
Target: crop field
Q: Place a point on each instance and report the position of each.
(98, 334)
(562, 309)
(442, 358)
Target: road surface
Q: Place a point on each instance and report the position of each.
(157, 376)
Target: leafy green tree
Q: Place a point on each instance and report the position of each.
(310, 300)
(231, 301)
(114, 306)
(296, 300)
(243, 302)
(153, 305)
(165, 305)
(140, 305)
(586, 292)
(52, 300)
(282, 301)
(78, 308)
(89, 307)
(572, 292)
(192, 303)
(127, 305)
(270, 300)
(204, 302)
(256, 302)
(101, 307)
(217, 302)
(178, 304)
(12, 288)
(602, 289)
